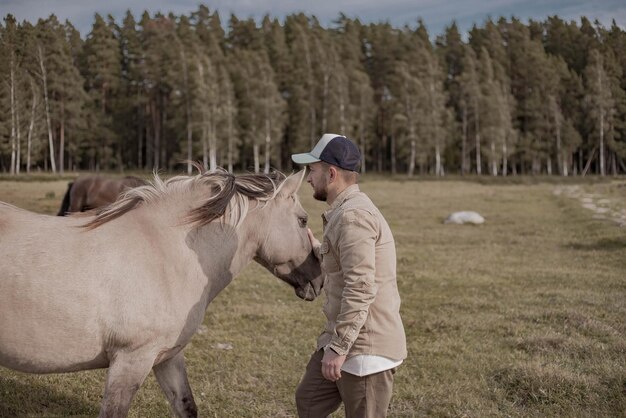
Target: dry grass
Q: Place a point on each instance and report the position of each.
(523, 316)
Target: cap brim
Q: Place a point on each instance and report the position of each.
(304, 158)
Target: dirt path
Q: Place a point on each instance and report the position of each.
(600, 205)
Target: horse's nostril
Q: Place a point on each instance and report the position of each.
(307, 292)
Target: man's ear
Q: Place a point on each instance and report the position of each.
(333, 173)
(291, 185)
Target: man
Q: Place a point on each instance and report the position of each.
(363, 341)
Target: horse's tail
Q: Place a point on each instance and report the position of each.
(65, 205)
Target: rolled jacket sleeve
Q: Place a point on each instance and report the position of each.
(357, 257)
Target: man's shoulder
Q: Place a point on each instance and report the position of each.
(357, 205)
(358, 209)
(358, 200)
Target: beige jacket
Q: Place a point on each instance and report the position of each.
(359, 260)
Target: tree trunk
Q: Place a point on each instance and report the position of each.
(613, 163)
(363, 150)
(48, 121)
(311, 86)
(593, 152)
(600, 89)
(31, 126)
(602, 170)
(342, 115)
(13, 122)
(104, 157)
(412, 158)
(464, 143)
(149, 121)
(120, 153)
(382, 145)
(438, 168)
(325, 102)
(266, 168)
(156, 136)
(205, 146)
(18, 136)
(62, 139)
(187, 111)
(212, 137)
(255, 148)
(494, 161)
(140, 129)
(393, 154)
(505, 159)
(212, 146)
(362, 134)
(549, 165)
(189, 141)
(230, 134)
(162, 139)
(477, 137)
(557, 125)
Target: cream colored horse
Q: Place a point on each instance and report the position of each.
(127, 288)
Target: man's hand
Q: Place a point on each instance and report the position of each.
(331, 365)
(314, 243)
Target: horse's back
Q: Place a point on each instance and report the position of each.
(132, 181)
(94, 191)
(12, 218)
(27, 235)
(6, 213)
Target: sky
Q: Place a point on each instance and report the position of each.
(437, 14)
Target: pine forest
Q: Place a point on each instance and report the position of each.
(156, 92)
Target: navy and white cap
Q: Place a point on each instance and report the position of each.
(332, 149)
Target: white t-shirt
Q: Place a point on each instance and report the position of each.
(364, 365)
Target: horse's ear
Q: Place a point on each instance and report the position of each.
(291, 185)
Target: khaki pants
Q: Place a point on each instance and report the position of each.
(363, 397)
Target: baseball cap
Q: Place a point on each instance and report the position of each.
(333, 149)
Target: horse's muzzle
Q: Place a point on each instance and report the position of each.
(311, 290)
(307, 292)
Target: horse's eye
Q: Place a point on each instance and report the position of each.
(302, 221)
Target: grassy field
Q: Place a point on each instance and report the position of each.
(523, 316)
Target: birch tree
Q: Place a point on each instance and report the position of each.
(600, 103)
(470, 103)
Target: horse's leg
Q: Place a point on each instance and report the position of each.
(172, 377)
(65, 205)
(127, 372)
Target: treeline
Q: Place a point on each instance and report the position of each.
(543, 97)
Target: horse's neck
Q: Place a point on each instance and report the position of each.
(220, 248)
(247, 240)
(247, 237)
(222, 252)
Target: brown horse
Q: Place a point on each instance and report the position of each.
(91, 192)
(128, 290)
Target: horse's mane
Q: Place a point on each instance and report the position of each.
(228, 200)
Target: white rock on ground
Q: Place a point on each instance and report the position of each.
(464, 217)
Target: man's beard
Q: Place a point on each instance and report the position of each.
(321, 195)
